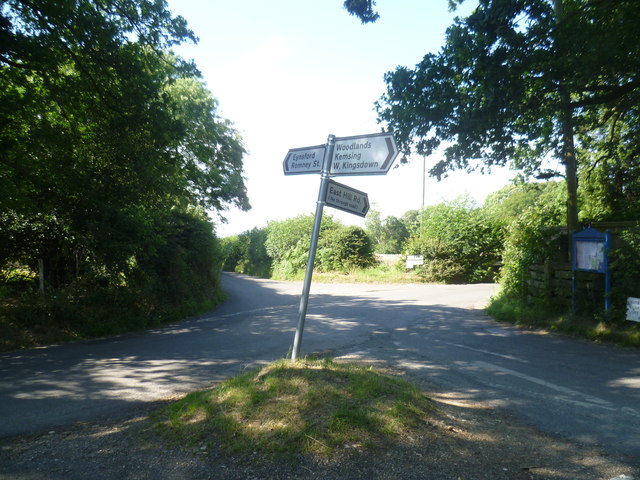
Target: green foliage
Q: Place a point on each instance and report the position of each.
(610, 191)
(363, 9)
(107, 141)
(182, 268)
(210, 150)
(388, 235)
(231, 253)
(246, 253)
(284, 235)
(511, 201)
(625, 268)
(344, 248)
(288, 243)
(458, 241)
(174, 277)
(281, 249)
(531, 239)
(519, 82)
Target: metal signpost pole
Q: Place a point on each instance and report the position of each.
(322, 195)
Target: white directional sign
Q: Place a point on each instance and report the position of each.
(347, 199)
(414, 260)
(363, 155)
(359, 155)
(303, 160)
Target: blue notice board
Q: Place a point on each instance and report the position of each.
(590, 254)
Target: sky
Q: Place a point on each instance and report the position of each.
(288, 73)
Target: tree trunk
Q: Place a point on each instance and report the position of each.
(568, 146)
(570, 165)
(41, 276)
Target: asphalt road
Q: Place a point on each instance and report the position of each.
(437, 334)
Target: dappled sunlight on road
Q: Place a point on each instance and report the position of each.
(435, 335)
(420, 366)
(121, 379)
(316, 321)
(466, 399)
(628, 382)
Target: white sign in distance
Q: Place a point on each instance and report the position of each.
(347, 199)
(363, 154)
(414, 260)
(633, 309)
(300, 161)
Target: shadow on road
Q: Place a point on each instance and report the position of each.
(409, 329)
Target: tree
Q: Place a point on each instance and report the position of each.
(362, 9)
(610, 186)
(111, 150)
(520, 81)
(102, 131)
(388, 234)
(510, 202)
(209, 152)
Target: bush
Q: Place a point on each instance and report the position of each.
(625, 270)
(246, 253)
(459, 243)
(343, 248)
(175, 277)
(231, 253)
(183, 269)
(340, 247)
(531, 239)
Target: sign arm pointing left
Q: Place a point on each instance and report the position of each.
(301, 161)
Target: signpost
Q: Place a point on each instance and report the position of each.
(347, 199)
(364, 155)
(359, 155)
(300, 161)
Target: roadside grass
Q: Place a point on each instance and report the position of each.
(311, 406)
(596, 328)
(377, 274)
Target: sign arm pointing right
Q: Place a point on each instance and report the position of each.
(364, 155)
(393, 152)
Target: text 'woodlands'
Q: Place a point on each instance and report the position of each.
(347, 157)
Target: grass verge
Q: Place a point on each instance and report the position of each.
(377, 274)
(518, 312)
(306, 407)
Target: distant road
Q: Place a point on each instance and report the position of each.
(437, 333)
